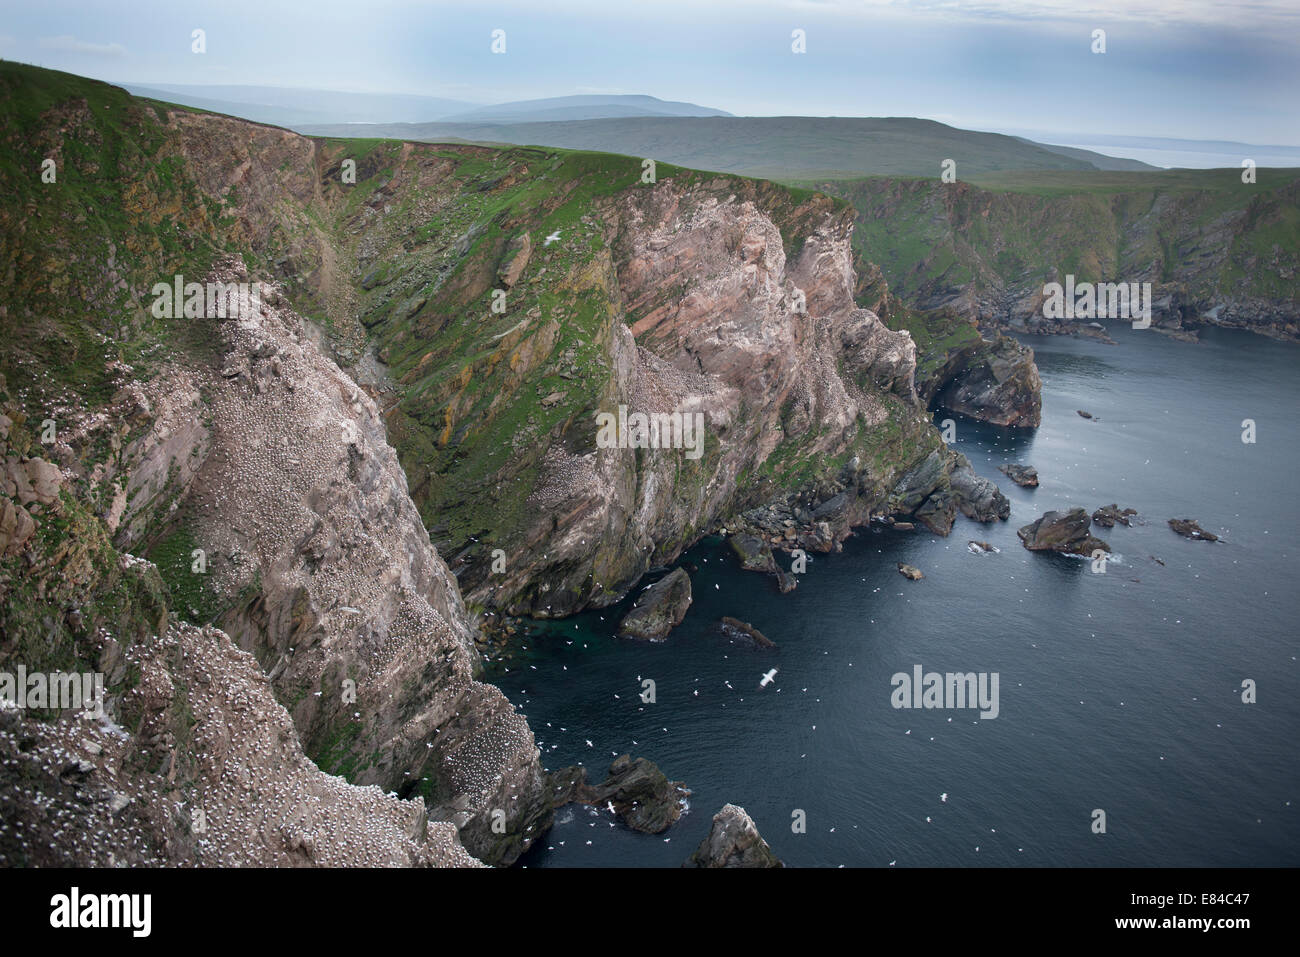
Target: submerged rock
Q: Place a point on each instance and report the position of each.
(659, 609)
(1188, 528)
(1108, 515)
(735, 628)
(733, 841)
(1086, 415)
(1026, 476)
(1064, 532)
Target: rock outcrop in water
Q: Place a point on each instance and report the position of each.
(636, 790)
(1188, 528)
(659, 608)
(994, 382)
(942, 484)
(756, 555)
(1026, 476)
(1064, 532)
(736, 629)
(733, 841)
(1109, 515)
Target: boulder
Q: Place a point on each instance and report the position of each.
(733, 841)
(659, 608)
(16, 527)
(910, 572)
(46, 478)
(1064, 532)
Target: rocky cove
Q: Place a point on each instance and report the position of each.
(1118, 688)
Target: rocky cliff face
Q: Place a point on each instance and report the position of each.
(548, 290)
(210, 773)
(730, 346)
(318, 558)
(960, 367)
(190, 760)
(1217, 251)
(476, 308)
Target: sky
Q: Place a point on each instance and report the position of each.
(1194, 69)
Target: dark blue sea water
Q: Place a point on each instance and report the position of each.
(1119, 691)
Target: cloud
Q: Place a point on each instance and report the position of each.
(70, 44)
(1237, 15)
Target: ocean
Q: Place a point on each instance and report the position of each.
(1119, 692)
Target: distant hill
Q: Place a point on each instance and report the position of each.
(1098, 160)
(589, 107)
(283, 106)
(779, 147)
(295, 108)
